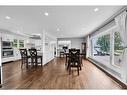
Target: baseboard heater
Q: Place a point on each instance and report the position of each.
(101, 66)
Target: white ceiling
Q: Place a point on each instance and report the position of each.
(72, 21)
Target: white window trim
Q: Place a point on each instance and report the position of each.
(111, 32)
(113, 40)
(104, 32)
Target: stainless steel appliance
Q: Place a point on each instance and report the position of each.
(7, 50)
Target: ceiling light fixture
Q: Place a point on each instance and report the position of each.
(58, 29)
(8, 17)
(46, 13)
(96, 9)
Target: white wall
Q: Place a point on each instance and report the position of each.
(75, 42)
(48, 44)
(0, 61)
(0, 49)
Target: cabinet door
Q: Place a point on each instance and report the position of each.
(4, 37)
(17, 55)
(11, 37)
(7, 37)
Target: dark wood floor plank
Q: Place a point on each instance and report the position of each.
(55, 76)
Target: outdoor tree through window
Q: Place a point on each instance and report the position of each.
(101, 48)
(118, 49)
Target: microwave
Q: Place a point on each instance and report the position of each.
(6, 44)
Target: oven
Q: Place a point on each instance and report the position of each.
(7, 53)
(7, 50)
(6, 44)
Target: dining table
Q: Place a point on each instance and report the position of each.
(67, 56)
(39, 55)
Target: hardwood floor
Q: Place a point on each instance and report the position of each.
(55, 76)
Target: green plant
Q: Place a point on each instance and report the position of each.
(117, 43)
(104, 43)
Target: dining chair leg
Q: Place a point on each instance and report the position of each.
(69, 70)
(22, 64)
(80, 67)
(32, 62)
(66, 60)
(78, 70)
(68, 65)
(26, 63)
(41, 62)
(36, 62)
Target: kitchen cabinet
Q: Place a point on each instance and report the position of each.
(7, 37)
(18, 42)
(38, 44)
(17, 55)
(7, 59)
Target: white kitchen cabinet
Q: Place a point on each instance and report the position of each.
(17, 55)
(7, 59)
(7, 37)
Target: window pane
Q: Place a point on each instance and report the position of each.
(118, 49)
(101, 48)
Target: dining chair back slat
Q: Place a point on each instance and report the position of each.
(24, 57)
(74, 59)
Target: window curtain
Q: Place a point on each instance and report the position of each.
(121, 21)
(88, 52)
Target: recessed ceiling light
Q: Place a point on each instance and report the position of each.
(8, 17)
(58, 29)
(96, 9)
(46, 13)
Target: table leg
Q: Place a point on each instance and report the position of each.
(66, 60)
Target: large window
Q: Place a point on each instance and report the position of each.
(101, 48)
(108, 47)
(118, 49)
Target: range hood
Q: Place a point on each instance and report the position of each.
(35, 37)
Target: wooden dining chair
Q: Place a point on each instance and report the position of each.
(35, 57)
(24, 57)
(74, 60)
